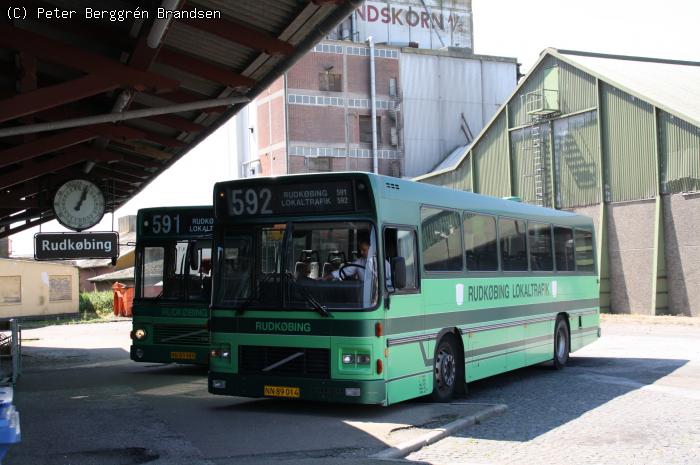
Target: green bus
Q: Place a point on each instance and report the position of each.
(359, 288)
(173, 285)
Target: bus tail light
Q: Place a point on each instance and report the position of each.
(378, 329)
(380, 366)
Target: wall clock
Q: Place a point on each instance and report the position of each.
(79, 204)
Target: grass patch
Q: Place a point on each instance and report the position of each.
(96, 305)
(93, 307)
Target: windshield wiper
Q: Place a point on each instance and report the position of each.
(256, 296)
(310, 299)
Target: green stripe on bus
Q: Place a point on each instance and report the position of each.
(465, 317)
(364, 328)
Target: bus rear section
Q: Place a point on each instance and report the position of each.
(173, 285)
(296, 307)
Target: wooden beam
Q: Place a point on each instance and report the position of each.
(53, 96)
(142, 161)
(114, 174)
(27, 225)
(204, 69)
(145, 150)
(241, 34)
(172, 121)
(33, 170)
(44, 145)
(18, 204)
(88, 62)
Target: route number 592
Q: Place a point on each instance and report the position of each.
(251, 201)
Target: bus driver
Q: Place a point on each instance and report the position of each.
(357, 268)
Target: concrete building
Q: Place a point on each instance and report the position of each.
(35, 289)
(613, 137)
(431, 95)
(318, 116)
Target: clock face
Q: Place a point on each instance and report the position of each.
(79, 204)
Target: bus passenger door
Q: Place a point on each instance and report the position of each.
(409, 360)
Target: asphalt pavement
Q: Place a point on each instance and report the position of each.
(631, 397)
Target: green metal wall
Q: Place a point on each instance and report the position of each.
(629, 135)
(577, 91)
(459, 178)
(491, 163)
(679, 147)
(577, 165)
(629, 146)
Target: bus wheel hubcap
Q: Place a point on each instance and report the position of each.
(444, 370)
(561, 344)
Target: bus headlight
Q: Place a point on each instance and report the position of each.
(356, 359)
(138, 334)
(223, 352)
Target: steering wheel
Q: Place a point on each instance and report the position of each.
(341, 270)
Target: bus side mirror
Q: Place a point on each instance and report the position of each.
(193, 256)
(398, 272)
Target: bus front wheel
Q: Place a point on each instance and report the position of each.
(561, 343)
(447, 369)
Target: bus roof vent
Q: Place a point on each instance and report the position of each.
(391, 185)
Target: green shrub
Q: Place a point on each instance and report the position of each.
(96, 303)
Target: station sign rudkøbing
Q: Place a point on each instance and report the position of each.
(70, 246)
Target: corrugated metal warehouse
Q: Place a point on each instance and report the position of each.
(613, 137)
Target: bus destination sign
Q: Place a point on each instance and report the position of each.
(178, 223)
(319, 197)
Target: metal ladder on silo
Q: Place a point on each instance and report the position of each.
(538, 158)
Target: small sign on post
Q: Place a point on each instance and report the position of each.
(71, 246)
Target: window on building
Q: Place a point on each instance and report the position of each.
(564, 249)
(539, 236)
(366, 129)
(10, 289)
(584, 251)
(513, 246)
(319, 164)
(60, 288)
(330, 82)
(442, 239)
(480, 248)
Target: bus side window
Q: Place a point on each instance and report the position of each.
(564, 249)
(402, 243)
(480, 248)
(540, 242)
(513, 246)
(584, 251)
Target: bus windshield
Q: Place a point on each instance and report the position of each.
(299, 265)
(176, 271)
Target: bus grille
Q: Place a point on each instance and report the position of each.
(312, 363)
(189, 335)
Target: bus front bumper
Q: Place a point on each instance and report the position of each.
(327, 390)
(170, 354)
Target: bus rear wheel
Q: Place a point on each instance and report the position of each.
(561, 343)
(447, 369)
